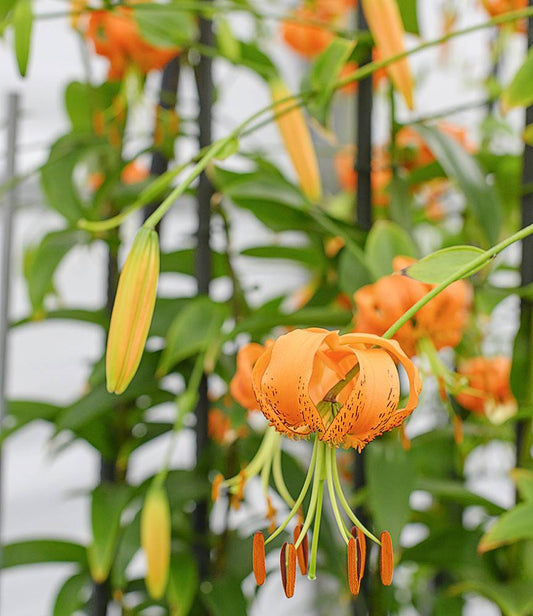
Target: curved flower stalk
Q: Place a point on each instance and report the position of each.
(344, 390)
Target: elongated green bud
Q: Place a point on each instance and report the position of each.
(155, 540)
(132, 311)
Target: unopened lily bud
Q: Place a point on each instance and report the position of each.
(385, 24)
(155, 540)
(132, 311)
(297, 139)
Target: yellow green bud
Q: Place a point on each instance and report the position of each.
(155, 540)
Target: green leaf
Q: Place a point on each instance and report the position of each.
(22, 412)
(519, 93)
(192, 331)
(454, 491)
(45, 260)
(385, 241)
(228, 45)
(391, 478)
(460, 166)
(128, 545)
(182, 262)
(165, 25)
(22, 26)
(253, 58)
(225, 597)
(452, 547)
(521, 384)
(108, 503)
(440, 265)
(43, 551)
(354, 271)
(513, 598)
(183, 583)
(408, 10)
(96, 317)
(514, 525)
(73, 595)
(324, 75)
(5, 8)
(306, 256)
(523, 480)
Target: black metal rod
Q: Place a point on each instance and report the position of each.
(7, 212)
(522, 426)
(204, 81)
(363, 168)
(363, 159)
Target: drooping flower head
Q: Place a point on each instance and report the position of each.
(294, 378)
(488, 389)
(442, 319)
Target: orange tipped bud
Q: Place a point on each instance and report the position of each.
(386, 558)
(155, 540)
(297, 140)
(258, 558)
(132, 311)
(303, 550)
(354, 581)
(385, 23)
(215, 488)
(288, 568)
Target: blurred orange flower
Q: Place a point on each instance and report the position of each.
(350, 67)
(442, 319)
(499, 7)
(293, 379)
(132, 173)
(240, 386)
(220, 429)
(116, 36)
(380, 179)
(488, 391)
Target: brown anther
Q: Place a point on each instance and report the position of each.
(258, 558)
(242, 482)
(287, 562)
(386, 559)
(360, 541)
(235, 502)
(354, 581)
(215, 488)
(302, 551)
(457, 430)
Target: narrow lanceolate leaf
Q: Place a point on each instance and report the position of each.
(519, 93)
(22, 27)
(297, 139)
(514, 525)
(385, 23)
(155, 540)
(133, 310)
(440, 265)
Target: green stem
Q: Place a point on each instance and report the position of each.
(347, 508)
(279, 481)
(316, 529)
(330, 462)
(302, 494)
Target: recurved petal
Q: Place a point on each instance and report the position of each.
(282, 377)
(240, 386)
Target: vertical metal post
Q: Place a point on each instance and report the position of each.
(522, 426)
(363, 159)
(7, 215)
(363, 167)
(204, 80)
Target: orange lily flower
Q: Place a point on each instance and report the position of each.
(240, 386)
(345, 390)
(488, 391)
(292, 380)
(303, 31)
(220, 429)
(380, 178)
(443, 319)
(116, 36)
